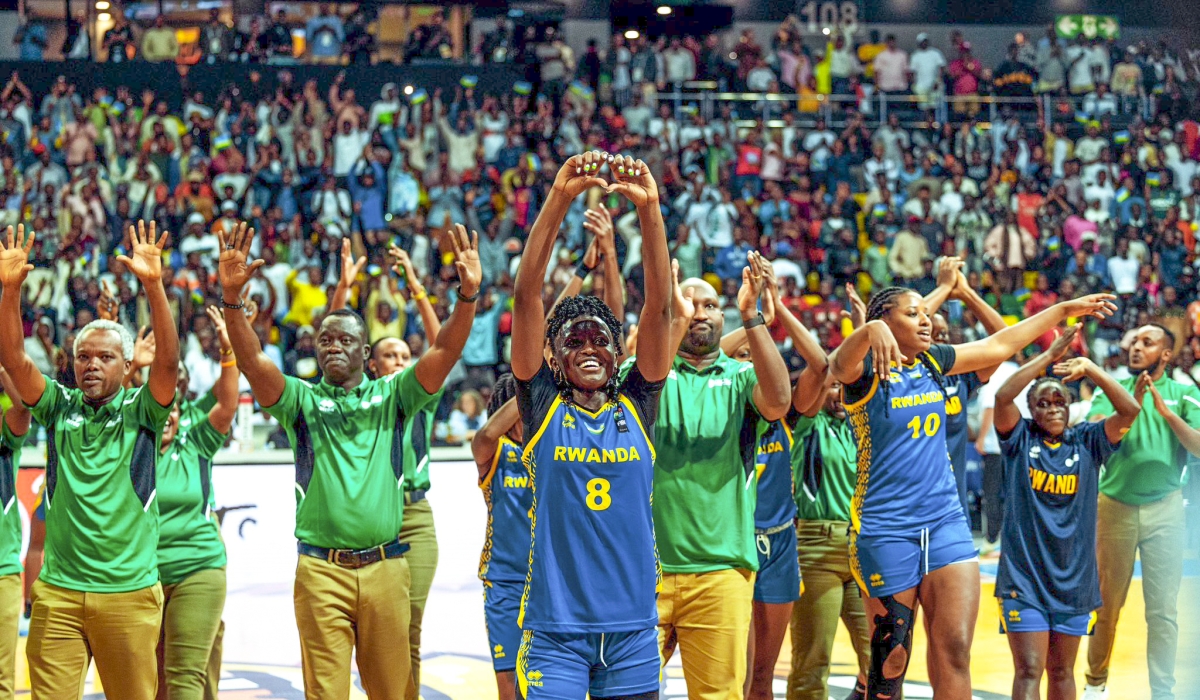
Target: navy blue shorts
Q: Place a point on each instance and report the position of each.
(1017, 615)
(560, 666)
(887, 564)
(501, 605)
(778, 579)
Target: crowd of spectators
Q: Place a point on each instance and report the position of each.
(1084, 206)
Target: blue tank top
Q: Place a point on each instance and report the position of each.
(1048, 555)
(959, 391)
(776, 502)
(509, 497)
(593, 563)
(904, 482)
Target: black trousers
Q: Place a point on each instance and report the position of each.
(993, 496)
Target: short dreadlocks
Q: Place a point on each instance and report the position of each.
(505, 389)
(575, 307)
(883, 302)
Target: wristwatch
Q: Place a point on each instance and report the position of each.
(754, 322)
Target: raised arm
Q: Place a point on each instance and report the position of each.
(599, 221)
(683, 310)
(810, 385)
(773, 394)
(143, 355)
(14, 266)
(1006, 414)
(633, 180)
(17, 417)
(1127, 407)
(991, 319)
(225, 391)
(350, 272)
(435, 364)
(991, 351)
(487, 438)
(576, 176)
(947, 282)
(145, 261)
(235, 269)
(416, 292)
(1188, 436)
(591, 258)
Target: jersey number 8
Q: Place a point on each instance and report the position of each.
(933, 421)
(597, 494)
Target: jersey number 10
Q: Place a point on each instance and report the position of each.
(933, 421)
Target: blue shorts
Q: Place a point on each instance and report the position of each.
(560, 666)
(887, 564)
(1017, 615)
(501, 605)
(778, 579)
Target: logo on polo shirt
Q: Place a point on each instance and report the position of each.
(719, 382)
(375, 401)
(672, 375)
(326, 406)
(74, 420)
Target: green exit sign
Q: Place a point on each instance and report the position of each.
(1088, 26)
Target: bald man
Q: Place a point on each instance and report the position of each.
(711, 413)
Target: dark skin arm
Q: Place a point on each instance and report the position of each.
(600, 223)
(772, 394)
(17, 417)
(1188, 436)
(487, 439)
(576, 176)
(947, 280)
(1007, 415)
(429, 318)
(434, 365)
(226, 389)
(350, 271)
(235, 270)
(146, 263)
(1127, 407)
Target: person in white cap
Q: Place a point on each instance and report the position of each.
(197, 240)
(928, 67)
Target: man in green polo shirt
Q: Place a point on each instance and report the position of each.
(12, 436)
(705, 483)
(1141, 512)
(824, 464)
(347, 432)
(98, 592)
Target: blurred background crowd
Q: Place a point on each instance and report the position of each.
(1068, 168)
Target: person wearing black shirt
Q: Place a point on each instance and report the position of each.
(118, 39)
(1012, 77)
(279, 38)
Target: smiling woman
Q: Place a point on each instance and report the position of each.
(589, 621)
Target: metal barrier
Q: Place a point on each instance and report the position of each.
(915, 111)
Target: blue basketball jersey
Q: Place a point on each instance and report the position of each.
(509, 497)
(904, 482)
(593, 564)
(776, 503)
(1048, 555)
(959, 391)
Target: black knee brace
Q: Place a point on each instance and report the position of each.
(892, 630)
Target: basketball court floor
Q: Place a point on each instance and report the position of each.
(262, 649)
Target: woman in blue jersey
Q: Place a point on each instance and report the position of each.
(909, 540)
(504, 563)
(1048, 585)
(777, 585)
(589, 611)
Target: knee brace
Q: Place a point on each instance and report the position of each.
(892, 630)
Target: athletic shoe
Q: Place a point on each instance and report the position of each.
(1095, 692)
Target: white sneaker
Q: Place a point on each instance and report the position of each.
(1095, 692)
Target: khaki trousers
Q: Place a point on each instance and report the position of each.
(12, 604)
(1156, 531)
(67, 629)
(343, 611)
(421, 537)
(708, 616)
(830, 594)
(191, 620)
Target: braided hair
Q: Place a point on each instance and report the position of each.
(575, 307)
(505, 389)
(883, 302)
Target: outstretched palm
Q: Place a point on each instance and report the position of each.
(145, 248)
(234, 266)
(14, 257)
(466, 259)
(682, 305)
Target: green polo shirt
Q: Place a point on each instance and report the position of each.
(418, 436)
(705, 483)
(349, 448)
(824, 467)
(1148, 465)
(193, 412)
(101, 512)
(189, 536)
(10, 518)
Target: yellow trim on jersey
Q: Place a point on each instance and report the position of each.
(523, 662)
(1092, 618)
(606, 407)
(1003, 622)
(788, 431)
(485, 481)
(855, 564)
(933, 362)
(629, 404)
(863, 401)
(527, 452)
